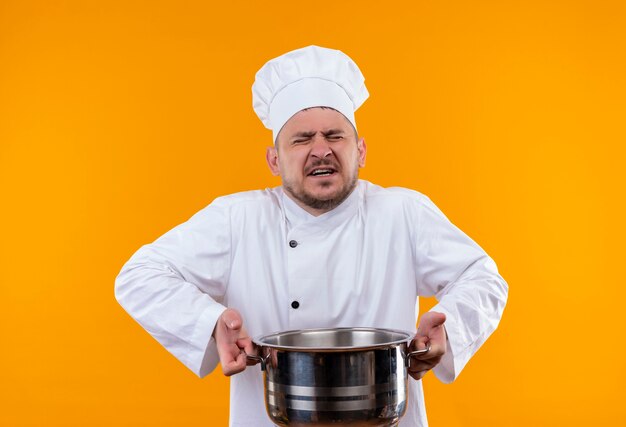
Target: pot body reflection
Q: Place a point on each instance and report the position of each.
(364, 385)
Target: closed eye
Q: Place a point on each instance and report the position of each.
(302, 137)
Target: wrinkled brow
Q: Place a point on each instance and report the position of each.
(332, 132)
(303, 134)
(310, 134)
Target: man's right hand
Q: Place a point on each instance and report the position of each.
(231, 338)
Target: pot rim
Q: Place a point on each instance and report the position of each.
(259, 341)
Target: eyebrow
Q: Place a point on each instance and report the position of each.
(311, 133)
(303, 135)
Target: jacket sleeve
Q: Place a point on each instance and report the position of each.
(174, 287)
(464, 280)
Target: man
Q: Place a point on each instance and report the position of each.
(323, 250)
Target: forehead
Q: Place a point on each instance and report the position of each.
(316, 119)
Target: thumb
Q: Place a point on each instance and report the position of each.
(429, 321)
(232, 319)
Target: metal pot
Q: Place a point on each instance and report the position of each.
(322, 377)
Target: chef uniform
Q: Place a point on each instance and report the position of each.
(362, 264)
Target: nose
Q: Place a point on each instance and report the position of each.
(320, 147)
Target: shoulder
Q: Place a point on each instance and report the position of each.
(391, 196)
(402, 206)
(253, 198)
(255, 202)
(398, 201)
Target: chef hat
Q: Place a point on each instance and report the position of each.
(312, 76)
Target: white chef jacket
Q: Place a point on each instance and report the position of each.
(363, 264)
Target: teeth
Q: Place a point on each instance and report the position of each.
(321, 172)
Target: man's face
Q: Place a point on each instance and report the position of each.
(318, 156)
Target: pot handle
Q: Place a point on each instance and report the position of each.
(411, 354)
(263, 360)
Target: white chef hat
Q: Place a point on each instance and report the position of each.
(312, 76)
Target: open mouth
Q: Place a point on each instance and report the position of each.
(320, 172)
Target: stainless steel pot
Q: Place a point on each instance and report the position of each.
(322, 377)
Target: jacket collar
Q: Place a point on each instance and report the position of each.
(296, 216)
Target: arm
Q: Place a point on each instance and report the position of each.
(174, 287)
(470, 293)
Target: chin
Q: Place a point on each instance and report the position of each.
(326, 194)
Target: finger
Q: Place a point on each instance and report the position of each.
(418, 375)
(232, 319)
(255, 352)
(419, 365)
(419, 343)
(432, 328)
(246, 345)
(430, 321)
(235, 366)
(435, 352)
(250, 352)
(229, 358)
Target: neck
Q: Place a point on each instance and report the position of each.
(313, 211)
(317, 207)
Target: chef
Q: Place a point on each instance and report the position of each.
(325, 249)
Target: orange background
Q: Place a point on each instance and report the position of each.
(120, 119)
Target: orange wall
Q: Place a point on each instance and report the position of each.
(120, 119)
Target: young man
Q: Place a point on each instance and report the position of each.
(325, 249)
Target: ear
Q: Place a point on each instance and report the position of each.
(360, 145)
(271, 155)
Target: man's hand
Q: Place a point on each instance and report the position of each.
(231, 338)
(429, 331)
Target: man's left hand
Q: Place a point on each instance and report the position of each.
(430, 331)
